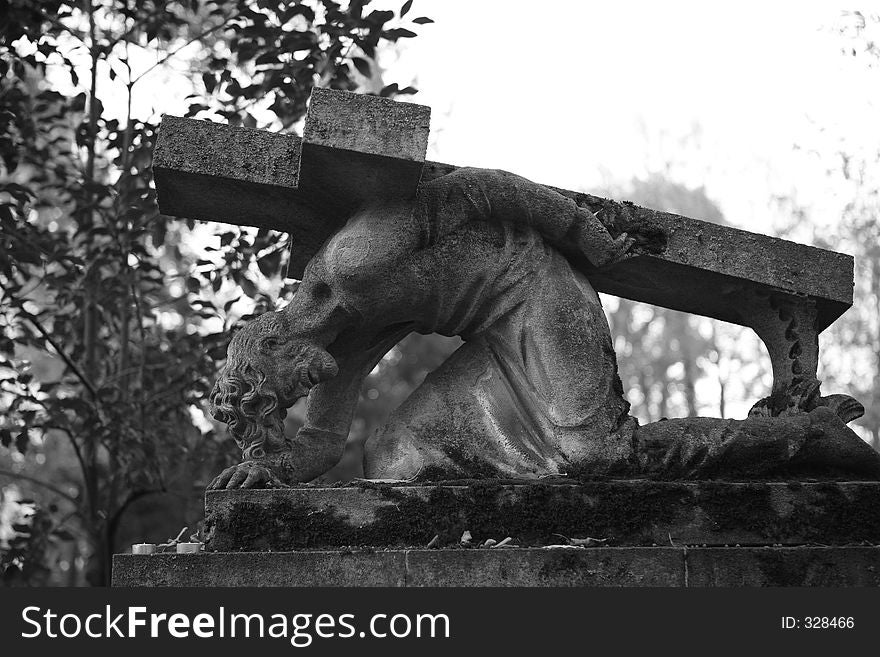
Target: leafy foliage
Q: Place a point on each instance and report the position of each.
(27, 558)
(94, 280)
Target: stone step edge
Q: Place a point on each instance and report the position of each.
(608, 566)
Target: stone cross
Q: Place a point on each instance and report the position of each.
(357, 149)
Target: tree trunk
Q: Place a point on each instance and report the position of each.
(99, 561)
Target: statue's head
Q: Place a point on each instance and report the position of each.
(267, 369)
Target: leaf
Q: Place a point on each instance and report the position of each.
(71, 68)
(356, 7)
(64, 535)
(422, 20)
(269, 263)
(22, 442)
(388, 90)
(267, 58)
(405, 8)
(299, 41)
(367, 46)
(78, 103)
(379, 18)
(398, 33)
(210, 81)
(362, 66)
(302, 10)
(248, 287)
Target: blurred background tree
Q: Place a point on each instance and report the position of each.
(673, 364)
(113, 318)
(850, 348)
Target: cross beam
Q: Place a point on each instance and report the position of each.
(356, 148)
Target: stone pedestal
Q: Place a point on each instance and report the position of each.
(649, 534)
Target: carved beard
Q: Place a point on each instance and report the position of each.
(243, 400)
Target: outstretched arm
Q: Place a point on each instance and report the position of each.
(468, 194)
(319, 444)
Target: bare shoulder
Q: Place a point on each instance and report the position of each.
(372, 241)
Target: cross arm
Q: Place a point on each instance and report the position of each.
(359, 149)
(709, 269)
(355, 150)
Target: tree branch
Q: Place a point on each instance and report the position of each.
(171, 54)
(40, 482)
(61, 26)
(67, 361)
(73, 444)
(116, 517)
(135, 26)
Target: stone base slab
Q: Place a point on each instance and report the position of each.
(625, 513)
(618, 567)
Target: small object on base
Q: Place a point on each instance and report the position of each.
(188, 548)
(143, 548)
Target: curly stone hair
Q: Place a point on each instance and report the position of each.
(242, 399)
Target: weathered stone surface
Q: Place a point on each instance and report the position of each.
(191, 146)
(355, 149)
(261, 569)
(242, 176)
(797, 566)
(532, 392)
(368, 124)
(490, 567)
(622, 566)
(709, 269)
(634, 513)
(510, 266)
(546, 567)
(705, 269)
(455, 267)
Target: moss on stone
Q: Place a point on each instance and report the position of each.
(625, 513)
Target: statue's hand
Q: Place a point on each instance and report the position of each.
(249, 474)
(590, 238)
(616, 249)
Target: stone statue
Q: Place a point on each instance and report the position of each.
(534, 389)
(528, 417)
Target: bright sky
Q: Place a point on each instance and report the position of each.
(581, 94)
(577, 94)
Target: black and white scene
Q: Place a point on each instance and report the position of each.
(411, 293)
